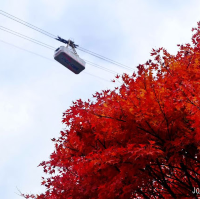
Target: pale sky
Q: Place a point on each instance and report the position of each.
(34, 92)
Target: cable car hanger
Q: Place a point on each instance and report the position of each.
(69, 42)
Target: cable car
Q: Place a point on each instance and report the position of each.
(69, 59)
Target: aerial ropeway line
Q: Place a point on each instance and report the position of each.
(49, 47)
(66, 55)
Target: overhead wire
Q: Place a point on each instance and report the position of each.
(26, 38)
(54, 37)
(26, 50)
(98, 66)
(50, 47)
(46, 58)
(27, 24)
(104, 58)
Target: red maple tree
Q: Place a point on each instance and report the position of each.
(138, 141)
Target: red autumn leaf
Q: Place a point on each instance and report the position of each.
(43, 182)
(117, 76)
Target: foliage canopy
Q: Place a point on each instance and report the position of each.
(138, 141)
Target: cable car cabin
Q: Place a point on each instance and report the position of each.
(69, 59)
